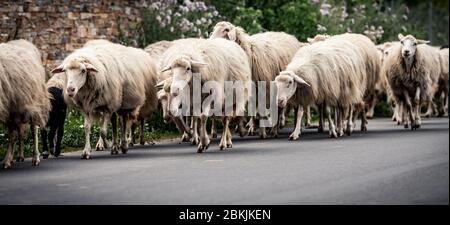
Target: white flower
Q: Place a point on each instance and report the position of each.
(215, 13)
(405, 17)
(172, 29)
(321, 28)
(325, 9)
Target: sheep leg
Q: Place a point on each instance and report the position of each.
(331, 126)
(59, 136)
(86, 154)
(131, 136)
(308, 117)
(240, 127)
(446, 103)
(13, 136)
(34, 132)
(417, 119)
(229, 142)
(182, 126)
(430, 111)
(195, 140)
(338, 121)
(349, 129)
(104, 120)
(114, 148)
(363, 117)
(124, 130)
(213, 127)
(142, 133)
(371, 109)
(44, 136)
(321, 118)
(251, 126)
(204, 139)
(409, 110)
(22, 133)
(223, 139)
(298, 125)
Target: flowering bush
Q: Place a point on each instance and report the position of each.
(168, 20)
(376, 20)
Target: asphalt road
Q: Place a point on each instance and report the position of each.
(385, 165)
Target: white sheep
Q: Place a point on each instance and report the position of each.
(411, 69)
(24, 99)
(268, 52)
(330, 72)
(104, 79)
(215, 60)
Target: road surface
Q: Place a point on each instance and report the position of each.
(386, 165)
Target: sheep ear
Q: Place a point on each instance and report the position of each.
(58, 69)
(90, 67)
(232, 34)
(166, 69)
(400, 37)
(300, 80)
(160, 85)
(310, 40)
(420, 42)
(198, 64)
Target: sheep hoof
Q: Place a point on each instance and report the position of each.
(202, 148)
(263, 136)
(35, 162)
(406, 126)
(85, 156)
(21, 158)
(333, 135)
(364, 128)
(131, 144)
(214, 135)
(124, 149)
(6, 165)
(293, 137)
(114, 151)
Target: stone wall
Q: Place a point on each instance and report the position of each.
(59, 27)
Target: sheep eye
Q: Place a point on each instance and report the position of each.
(401, 42)
(227, 30)
(415, 44)
(188, 69)
(290, 82)
(83, 71)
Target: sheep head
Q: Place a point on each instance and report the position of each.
(181, 69)
(224, 30)
(287, 83)
(409, 46)
(76, 71)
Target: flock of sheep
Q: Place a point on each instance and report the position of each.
(341, 76)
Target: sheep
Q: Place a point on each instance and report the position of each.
(55, 87)
(103, 79)
(24, 100)
(164, 83)
(443, 89)
(411, 69)
(215, 60)
(268, 52)
(331, 72)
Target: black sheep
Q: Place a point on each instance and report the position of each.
(55, 124)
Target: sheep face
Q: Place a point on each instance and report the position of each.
(181, 75)
(409, 46)
(224, 30)
(287, 83)
(76, 72)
